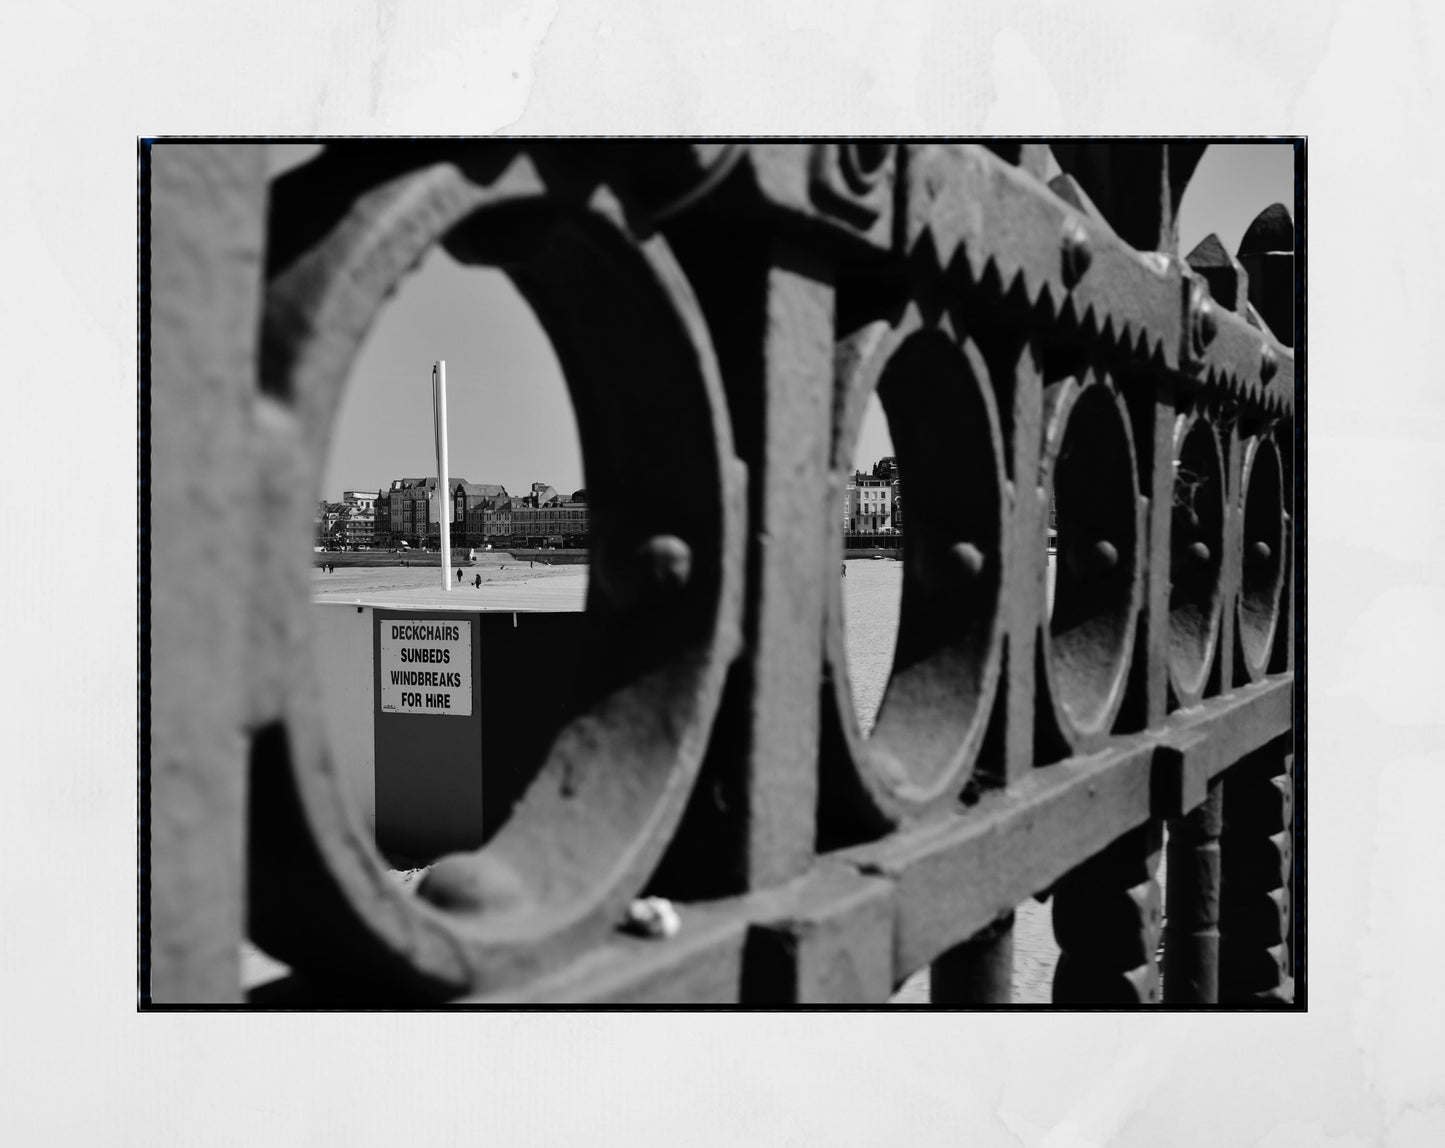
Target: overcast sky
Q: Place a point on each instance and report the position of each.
(510, 418)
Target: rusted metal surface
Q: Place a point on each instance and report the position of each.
(723, 314)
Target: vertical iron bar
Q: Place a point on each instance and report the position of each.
(1256, 854)
(208, 239)
(1106, 920)
(1191, 931)
(979, 971)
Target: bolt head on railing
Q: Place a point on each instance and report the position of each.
(653, 570)
(666, 560)
(1090, 560)
(1076, 252)
(968, 560)
(950, 567)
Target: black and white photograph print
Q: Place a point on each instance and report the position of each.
(744, 572)
(778, 573)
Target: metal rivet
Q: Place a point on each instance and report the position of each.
(666, 560)
(968, 559)
(1076, 252)
(1089, 561)
(943, 569)
(1268, 363)
(660, 565)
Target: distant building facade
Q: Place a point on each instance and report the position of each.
(469, 503)
(381, 534)
(497, 522)
(358, 528)
(868, 504)
(545, 518)
(358, 519)
(484, 514)
(402, 499)
(409, 511)
(887, 469)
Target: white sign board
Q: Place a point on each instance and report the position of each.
(426, 666)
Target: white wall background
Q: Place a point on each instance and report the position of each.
(1366, 1066)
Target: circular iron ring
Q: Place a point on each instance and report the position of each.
(1089, 475)
(1262, 547)
(663, 607)
(1196, 534)
(938, 397)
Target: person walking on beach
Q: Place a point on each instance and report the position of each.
(845, 569)
(478, 582)
(459, 575)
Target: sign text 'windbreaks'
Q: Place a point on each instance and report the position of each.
(426, 667)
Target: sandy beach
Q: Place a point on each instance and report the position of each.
(496, 571)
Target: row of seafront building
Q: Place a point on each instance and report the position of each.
(484, 514)
(872, 503)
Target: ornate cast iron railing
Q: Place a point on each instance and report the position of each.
(723, 313)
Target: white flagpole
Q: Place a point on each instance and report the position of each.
(444, 498)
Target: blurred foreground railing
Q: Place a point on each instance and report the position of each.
(723, 314)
